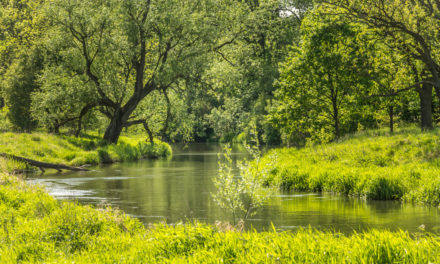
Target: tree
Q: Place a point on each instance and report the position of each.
(320, 79)
(243, 73)
(389, 73)
(409, 27)
(62, 100)
(19, 81)
(128, 49)
(21, 27)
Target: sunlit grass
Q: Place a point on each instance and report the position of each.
(372, 164)
(75, 151)
(34, 227)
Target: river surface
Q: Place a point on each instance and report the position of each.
(180, 189)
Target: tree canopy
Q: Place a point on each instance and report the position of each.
(214, 70)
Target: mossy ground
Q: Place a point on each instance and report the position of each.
(62, 149)
(34, 227)
(372, 164)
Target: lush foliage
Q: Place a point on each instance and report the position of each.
(75, 151)
(21, 26)
(320, 80)
(291, 71)
(372, 164)
(210, 70)
(5, 124)
(37, 228)
(185, 71)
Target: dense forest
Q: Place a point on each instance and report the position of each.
(210, 70)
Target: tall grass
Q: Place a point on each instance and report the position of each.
(373, 164)
(34, 227)
(75, 151)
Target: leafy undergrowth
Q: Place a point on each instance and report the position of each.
(374, 165)
(75, 151)
(34, 227)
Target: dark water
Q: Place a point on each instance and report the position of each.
(179, 190)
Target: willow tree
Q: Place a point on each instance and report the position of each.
(125, 50)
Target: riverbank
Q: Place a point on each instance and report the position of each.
(35, 227)
(373, 164)
(69, 150)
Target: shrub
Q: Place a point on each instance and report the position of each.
(104, 156)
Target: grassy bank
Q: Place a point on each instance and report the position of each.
(75, 151)
(373, 164)
(34, 227)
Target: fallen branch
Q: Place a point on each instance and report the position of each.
(42, 165)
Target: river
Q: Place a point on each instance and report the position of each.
(180, 189)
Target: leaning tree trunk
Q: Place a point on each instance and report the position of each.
(119, 119)
(425, 95)
(115, 127)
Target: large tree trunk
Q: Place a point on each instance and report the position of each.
(425, 94)
(115, 127)
(120, 118)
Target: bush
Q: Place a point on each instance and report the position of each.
(126, 152)
(157, 150)
(104, 156)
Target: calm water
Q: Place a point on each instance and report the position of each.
(179, 190)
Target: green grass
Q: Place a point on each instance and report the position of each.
(75, 151)
(374, 165)
(34, 227)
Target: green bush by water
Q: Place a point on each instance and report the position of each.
(373, 165)
(34, 227)
(75, 151)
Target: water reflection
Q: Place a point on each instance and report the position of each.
(179, 190)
